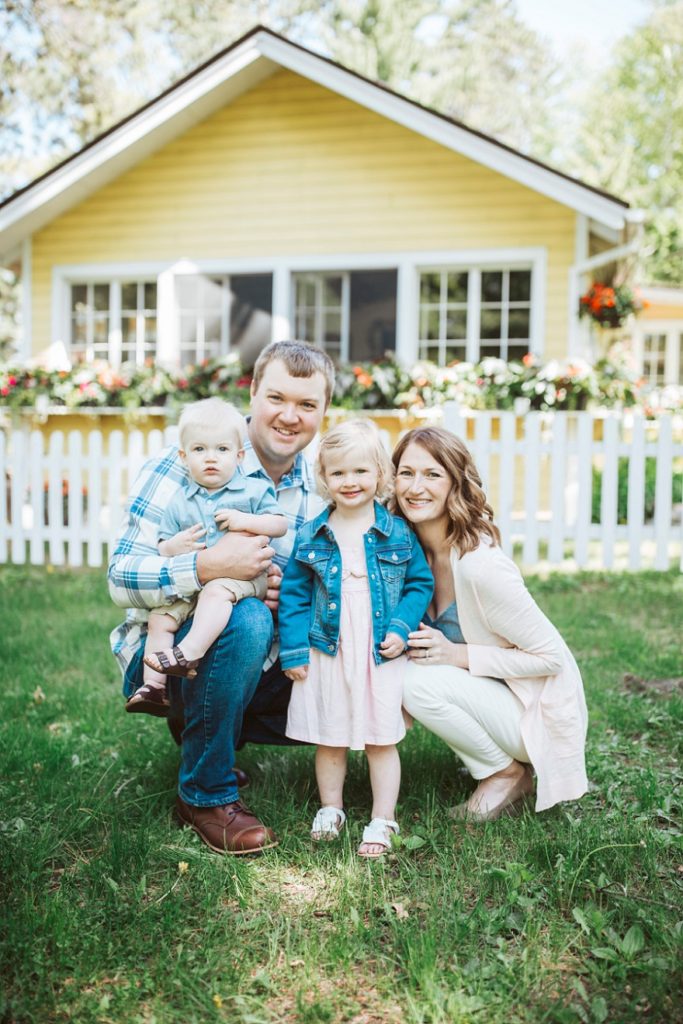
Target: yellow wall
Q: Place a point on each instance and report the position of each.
(660, 311)
(291, 167)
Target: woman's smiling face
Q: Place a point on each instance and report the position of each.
(422, 486)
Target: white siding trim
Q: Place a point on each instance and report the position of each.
(25, 338)
(578, 341)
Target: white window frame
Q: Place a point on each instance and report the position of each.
(408, 263)
(673, 360)
(317, 278)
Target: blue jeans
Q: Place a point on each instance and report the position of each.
(214, 703)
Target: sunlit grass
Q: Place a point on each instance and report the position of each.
(111, 913)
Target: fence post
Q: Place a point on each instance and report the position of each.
(36, 543)
(663, 493)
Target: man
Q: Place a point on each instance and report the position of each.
(240, 693)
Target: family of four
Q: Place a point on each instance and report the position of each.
(392, 598)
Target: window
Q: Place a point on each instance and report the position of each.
(475, 312)
(351, 314)
(113, 320)
(220, 312)
(138, 321)
(654, 358)
(90, 322)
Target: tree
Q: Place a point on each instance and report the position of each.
(632, 135)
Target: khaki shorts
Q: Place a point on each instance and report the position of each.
(238, 589)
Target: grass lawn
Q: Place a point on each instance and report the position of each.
(111, 913)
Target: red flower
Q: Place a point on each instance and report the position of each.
(12, 381)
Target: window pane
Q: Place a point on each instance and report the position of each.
(372, 315)
(151, 296)
(251, 305)
(430, 288)
(332, 291)
(518, 323)
(188, 330)
(490, 323)
(430, 352)
(128, 329)
(490, 348)
(79, 296)
(491, 285)
(79, 332)
(100, 332)
(456, 324)
(212, 293)
(455, 352)
(457, 287)
(150, 331)
(680, 358)
(430, 324)
(520, 285)
(101, 297)
(517, 352)
(129, 296)
(332, 329)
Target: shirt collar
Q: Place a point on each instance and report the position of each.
(236, 483)
(300, 475)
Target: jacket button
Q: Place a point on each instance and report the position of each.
(332, 606)
(330, 647)
(376, 615)
(311, 555)
(395, 557)
(372, 575)
(334, 568)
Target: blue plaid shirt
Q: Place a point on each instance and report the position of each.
(140, 578)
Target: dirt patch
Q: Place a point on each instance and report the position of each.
(653, 687)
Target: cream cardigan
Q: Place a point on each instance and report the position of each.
(508, 637)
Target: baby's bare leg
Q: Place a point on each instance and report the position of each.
(211, 616)
(161, 630)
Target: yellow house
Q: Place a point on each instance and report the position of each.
(273, 193)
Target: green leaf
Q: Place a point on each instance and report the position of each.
(599, 1009)
(633, 941)
(413, 842)
(604, 953)
(580, 919)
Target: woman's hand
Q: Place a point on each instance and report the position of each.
(297, 674)
(272, 598)
(430, 647)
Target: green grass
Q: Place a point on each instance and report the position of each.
(572, 915)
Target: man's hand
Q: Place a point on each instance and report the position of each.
(239, 556)
(272, 598)
(392, 645)
(298, 674)
(232, 519)
(184, 542)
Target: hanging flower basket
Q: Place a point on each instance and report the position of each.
(609, 305)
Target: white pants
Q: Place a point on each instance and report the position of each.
(479, 718)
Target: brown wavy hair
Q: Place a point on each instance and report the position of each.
(469, 512)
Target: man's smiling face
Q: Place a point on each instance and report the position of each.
(286, 413)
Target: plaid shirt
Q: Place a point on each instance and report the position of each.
(140, 578)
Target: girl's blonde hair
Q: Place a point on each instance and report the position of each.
(212, 414)
(469, 512)
(363, 439)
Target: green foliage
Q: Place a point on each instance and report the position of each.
(622, 490)
(112, 913)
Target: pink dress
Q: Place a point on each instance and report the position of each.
(347, 700)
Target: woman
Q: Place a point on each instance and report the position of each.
(489, 673)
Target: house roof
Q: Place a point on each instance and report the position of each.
(234, 71)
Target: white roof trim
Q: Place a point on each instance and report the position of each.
(225, 78)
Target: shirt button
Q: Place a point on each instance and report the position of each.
(332, 606)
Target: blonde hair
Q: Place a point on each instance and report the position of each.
(468, 510)
(361, 437)
(212, 413)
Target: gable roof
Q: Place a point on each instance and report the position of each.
(234, 71)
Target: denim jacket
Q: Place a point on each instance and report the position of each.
(401, 586)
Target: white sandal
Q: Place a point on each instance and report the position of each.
(378, 832)
(327, 824)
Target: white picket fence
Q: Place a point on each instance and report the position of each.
(63, 503)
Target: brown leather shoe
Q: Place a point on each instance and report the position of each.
(230, 828)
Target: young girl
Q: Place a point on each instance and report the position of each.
(356, 585)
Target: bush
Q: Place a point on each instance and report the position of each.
(622, 490)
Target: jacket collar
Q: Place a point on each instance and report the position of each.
(382, 523)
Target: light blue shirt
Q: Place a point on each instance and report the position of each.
(194, 504)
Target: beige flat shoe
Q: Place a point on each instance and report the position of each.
(511, 805)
